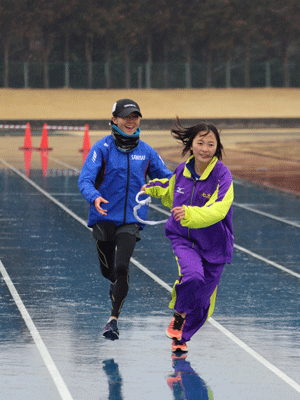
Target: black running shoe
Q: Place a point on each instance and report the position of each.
(111, 330)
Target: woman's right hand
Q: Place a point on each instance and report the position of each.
(143, 189)
(97, 203)
(178, 213)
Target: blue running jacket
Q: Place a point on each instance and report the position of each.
(118, 176)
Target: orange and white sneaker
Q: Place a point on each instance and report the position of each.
(175, 328)
(174, 381)
(178, 347)
(176, 356)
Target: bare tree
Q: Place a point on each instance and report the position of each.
(154, 18)
(286, 24)
(10, 11)
(94, 21)
(42, 20)
(128, 32)
(221, 28)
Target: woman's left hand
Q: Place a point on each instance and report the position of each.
(178, 213)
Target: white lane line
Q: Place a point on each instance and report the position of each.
(37, 187)
(254, 210)
(251, 209)
(230, 335)
(285, 221)
(267, 261)
(149, 273)
(67, 210)
(57, 378)
(218, 326)
(255, 355)
(64, 164)
(160, 210)
(251, 253)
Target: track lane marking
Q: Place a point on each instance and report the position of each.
(251, 253)
(218, 326)
(67, 210)
(230, 335)
(245, 207)
(64, 164)
(55, 374)
(274, 264)
(251, 209)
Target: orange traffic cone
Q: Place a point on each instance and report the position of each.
(86, 140)
(44, 162)
(27, 139)
(44, 141)
(84, 155)
(27, 161)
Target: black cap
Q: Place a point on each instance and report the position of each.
(122, 108)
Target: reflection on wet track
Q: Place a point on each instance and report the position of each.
(250, 350)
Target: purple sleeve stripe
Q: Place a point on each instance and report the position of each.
(163, 183)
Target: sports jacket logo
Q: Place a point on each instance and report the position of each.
(136, 157)
(94, 156)
(180, 190)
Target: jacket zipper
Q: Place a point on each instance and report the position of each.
(191, 203)
(127, 187)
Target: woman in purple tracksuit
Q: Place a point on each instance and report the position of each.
(200, 196)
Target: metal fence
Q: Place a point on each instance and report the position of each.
(157, 75)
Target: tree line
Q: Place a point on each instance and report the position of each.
(148, 31)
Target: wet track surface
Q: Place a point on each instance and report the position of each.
(50, 259)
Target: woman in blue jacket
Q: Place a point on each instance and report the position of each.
(113, 173)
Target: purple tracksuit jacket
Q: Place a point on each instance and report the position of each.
(203, 240)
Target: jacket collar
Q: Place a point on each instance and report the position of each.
(124, 142)
(189, 168)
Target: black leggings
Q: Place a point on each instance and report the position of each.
(114, 265)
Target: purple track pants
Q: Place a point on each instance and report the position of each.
(195, 290)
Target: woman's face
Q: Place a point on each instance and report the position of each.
(204, 147)
(129, 124)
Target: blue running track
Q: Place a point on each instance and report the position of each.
(54, 303)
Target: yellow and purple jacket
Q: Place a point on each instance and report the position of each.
(208, 208)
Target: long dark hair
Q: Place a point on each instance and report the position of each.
(187, 135)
